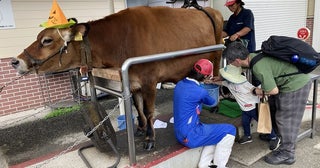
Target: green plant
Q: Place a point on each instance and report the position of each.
(62, 111)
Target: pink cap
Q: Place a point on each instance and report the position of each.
(230, 2)
(204, 67)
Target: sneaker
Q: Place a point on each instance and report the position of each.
(274, 143)
(264, 137)
(279, 157)
(245, 139)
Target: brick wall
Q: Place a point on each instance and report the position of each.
(31, 91)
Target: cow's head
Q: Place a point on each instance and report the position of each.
(54, 50)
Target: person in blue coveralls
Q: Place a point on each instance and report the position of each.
(240, 24)
(217, 139)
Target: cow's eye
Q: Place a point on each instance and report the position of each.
(46, 41)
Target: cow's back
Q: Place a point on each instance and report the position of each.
(140, 31)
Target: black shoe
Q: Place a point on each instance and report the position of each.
(211, 165)
(274, 143)
(245, 139)
(264, 137)
(279, 157)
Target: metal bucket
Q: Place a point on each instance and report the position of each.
(213, 92)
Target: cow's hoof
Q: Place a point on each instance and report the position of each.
(139, 133)
(149, 144)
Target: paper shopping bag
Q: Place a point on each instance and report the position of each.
(264, 117)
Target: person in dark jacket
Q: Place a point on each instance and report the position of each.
(240, 24)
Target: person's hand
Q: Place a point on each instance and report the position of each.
(216, 78)
(234, 37)
(217, 83)
(208, 81)
(259, 92)
(213, 80)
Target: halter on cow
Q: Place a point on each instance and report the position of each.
(129, 33)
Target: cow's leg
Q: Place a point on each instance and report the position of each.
(142, 120)
(149, 97)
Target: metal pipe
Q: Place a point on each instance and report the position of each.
(314, 106)
(311, 131)
(126, 85)
(92, 89)
(108, 90)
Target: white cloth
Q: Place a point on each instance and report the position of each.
(242, 94)
(159, 124)
(171, 120)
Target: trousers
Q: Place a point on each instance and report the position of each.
(217, 154)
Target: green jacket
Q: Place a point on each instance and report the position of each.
(268, 69)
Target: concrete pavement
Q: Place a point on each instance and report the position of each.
(171, 154)
(174, 155)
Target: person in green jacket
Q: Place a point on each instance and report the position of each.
(289, 94)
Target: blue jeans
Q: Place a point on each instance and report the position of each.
(247, 116)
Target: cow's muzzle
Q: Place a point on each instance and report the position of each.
(15, 63)
(19, 65)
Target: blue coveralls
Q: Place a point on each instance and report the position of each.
(187, 105)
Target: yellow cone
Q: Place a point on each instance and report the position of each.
(56, 18)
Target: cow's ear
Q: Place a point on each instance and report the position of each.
(79, 30)
(74, 20)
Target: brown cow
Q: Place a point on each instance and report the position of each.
(136, 31)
